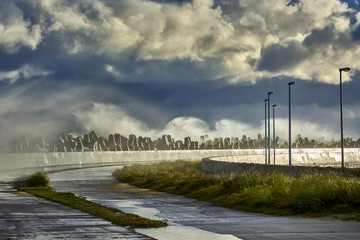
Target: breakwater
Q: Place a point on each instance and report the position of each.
(117, 142)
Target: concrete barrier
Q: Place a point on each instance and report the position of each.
(301, 157)
(303, 160)
(216, 166)
(15, 165)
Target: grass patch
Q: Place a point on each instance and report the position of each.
(69, 199)
(38, 179)
(275, 193)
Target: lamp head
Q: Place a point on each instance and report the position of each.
(274, 105)
(291, 83)
(345, 69)
(266, 100)
(270, 93)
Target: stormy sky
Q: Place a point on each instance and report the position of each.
(184, 68)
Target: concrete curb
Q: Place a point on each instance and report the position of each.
(214, 165)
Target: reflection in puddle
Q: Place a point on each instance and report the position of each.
(168, 233)
(183, 233)
(131, 207)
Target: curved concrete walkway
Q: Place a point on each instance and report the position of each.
(23, 216)
(191, 219)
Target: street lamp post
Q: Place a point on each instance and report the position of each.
(290, 84)
(345, 69)
(269, 93)
(274, 142)
(265, 133)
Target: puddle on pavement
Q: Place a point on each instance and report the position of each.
(184, 233)
(130, 207)
(168, 233)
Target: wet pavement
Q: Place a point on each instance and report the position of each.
(191, 219)
(23, 216)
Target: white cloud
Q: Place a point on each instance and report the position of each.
(231, 128)
(95, 29)
(232, 48)
(48, 115)
(192, 31)
(16, 32)
(107, 119)
(26, 72)
(316, 58)
(252, 40)
(309, 129)
(111, 69)
(182, 127)
(65, 16)
(22, 115)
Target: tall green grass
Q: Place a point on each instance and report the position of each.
(274, 193)
(38, 179)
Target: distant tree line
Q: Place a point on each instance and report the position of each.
(116, 142)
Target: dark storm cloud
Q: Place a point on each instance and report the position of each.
(276, 57)
(172, 1)
(158, 65)
(356, 34)
(32, 13)
(293, 2)
(123, 31)
(318, 37)
(328, 36)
